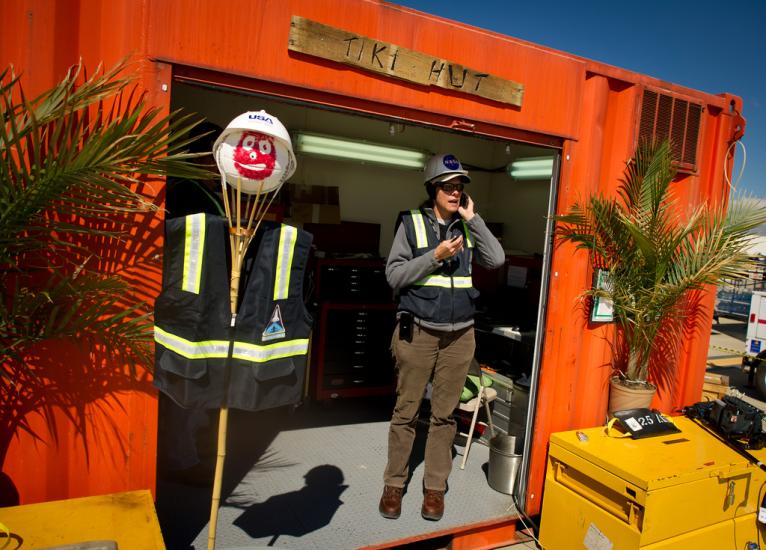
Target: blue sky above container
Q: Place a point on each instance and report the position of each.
(711, 46)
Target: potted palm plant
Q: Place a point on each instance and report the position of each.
(74, 162)
(657, 257)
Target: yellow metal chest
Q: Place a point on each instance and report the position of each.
(678, 491)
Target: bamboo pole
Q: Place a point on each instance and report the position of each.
(239, 239)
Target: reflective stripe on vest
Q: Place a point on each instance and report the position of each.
(287, 238)
(420, 229)
(445, 282)
(194, 244)
(468, 240)
(219, 349)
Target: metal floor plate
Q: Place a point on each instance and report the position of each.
(312, 480)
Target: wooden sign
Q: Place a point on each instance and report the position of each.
(312, 38)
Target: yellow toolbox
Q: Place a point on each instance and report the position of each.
(126, 521)
(676, 491)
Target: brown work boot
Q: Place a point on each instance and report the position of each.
(433, 505)
(391, 502)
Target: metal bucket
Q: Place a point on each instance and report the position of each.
(504, 462)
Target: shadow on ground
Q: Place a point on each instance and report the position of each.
(183, 506)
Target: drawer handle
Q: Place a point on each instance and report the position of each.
(618, 505)
(358, 366)
(359, 381)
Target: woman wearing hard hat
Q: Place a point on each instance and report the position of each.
(430, 267)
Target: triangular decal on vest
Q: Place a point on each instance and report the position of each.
(276, 327)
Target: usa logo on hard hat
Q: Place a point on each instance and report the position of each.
(258, 116)
(451, 162)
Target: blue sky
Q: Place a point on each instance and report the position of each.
(710, 46)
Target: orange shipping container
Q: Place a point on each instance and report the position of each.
(586, 114)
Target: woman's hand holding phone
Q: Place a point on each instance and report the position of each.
(447, 249)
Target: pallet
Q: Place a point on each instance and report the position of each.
(713, 378)
(711, 392)
(715, 386)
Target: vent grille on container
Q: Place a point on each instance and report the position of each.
(664, 116)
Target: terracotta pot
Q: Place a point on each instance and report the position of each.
(622, 397)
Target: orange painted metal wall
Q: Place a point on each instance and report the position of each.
(115, 448)
(589, 108)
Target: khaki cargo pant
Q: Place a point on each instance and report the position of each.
(446, 356)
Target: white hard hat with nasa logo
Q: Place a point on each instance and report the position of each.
(255, 151)
(445, 167)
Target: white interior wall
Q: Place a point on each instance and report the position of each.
(375, 194)
(522, 208)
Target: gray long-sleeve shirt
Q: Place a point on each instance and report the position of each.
(402, 269)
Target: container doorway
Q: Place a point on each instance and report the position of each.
(314, 473)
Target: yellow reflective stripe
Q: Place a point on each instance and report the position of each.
(219, 349)
(445, 282)
(468, 239)
(194, 245)
(287, 239)
(462, 282)
(207, 349)
(421, 240)
(280, 350)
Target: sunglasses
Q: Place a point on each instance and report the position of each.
(450, 187)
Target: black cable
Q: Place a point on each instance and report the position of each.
(535, 528)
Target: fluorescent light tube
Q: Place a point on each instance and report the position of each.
(347, 149)
(532, 168)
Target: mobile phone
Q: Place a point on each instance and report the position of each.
(463, 200)
(405, 326)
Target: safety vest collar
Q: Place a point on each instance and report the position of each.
(421, 236)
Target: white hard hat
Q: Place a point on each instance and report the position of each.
(255, 151)
(445, 167)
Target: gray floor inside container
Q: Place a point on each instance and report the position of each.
(311, 479)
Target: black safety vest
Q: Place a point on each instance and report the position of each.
(447, 295)
(193, 332)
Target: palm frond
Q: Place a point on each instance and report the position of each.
(73, 165)
(78, 150)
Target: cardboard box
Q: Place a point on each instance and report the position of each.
(711, 392)
(314, 203)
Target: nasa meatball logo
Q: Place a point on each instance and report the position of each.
(451, 163)
(255, 156)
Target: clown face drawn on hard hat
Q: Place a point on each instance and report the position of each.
(255, 152)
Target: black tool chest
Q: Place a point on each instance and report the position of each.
(353, 336)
